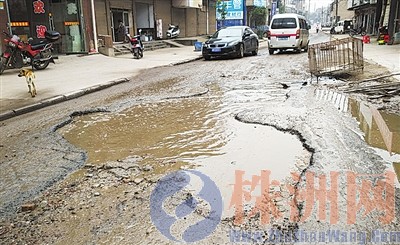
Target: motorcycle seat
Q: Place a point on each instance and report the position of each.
(37, 44)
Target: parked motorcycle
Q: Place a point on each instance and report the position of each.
(359, 31)
(36, 53)
(383, 35)
(173, 31)
(136, 45)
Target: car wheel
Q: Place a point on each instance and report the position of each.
(207, 57)
(271, 51)
(241, 51)
(255, 52)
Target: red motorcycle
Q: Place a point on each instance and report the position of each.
(36, 53)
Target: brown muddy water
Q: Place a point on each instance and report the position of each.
(381, 130)
(197, 132)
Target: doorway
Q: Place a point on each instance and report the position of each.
(119, 24)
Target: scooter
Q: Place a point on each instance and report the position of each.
(383, 37)
(173, 31)
(358, 31)
(136, 45)
(37, 53)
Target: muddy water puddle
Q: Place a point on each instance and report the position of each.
(199, 132)
(381, 129)
(161, 131)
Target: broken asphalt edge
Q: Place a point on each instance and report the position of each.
(72, 95)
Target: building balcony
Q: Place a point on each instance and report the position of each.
(354, 4)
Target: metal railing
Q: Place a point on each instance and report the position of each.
(336, 56)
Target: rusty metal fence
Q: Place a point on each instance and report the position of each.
(336, 56)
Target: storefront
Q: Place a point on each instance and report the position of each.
(114, 18)
(32, 18)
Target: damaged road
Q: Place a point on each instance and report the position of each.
(88, 166)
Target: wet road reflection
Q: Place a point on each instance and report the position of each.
(381, 129)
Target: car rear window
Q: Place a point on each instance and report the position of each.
(284, 23)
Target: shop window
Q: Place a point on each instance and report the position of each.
(66, 20)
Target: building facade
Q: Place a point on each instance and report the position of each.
(194, 17)
(27, 18)
(340, 11)
(364, 14)
(371, 14)
(82, 22)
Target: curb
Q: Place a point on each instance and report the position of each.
(186, 61)
(58, 99)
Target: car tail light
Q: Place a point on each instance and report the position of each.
(298, 34)
(269, 35)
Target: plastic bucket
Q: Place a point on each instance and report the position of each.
(198, 46)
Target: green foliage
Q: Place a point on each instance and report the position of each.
(221, 9)
(282, 7)
(258, 16)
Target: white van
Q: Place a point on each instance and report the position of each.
(288, 31)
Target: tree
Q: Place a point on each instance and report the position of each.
(282, 6)
(258, 16)
(222, 9)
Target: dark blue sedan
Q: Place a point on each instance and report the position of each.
(233, 41)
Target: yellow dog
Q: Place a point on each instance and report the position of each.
(30, 76)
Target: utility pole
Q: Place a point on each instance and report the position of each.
(337, 9)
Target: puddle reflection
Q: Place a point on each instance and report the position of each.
(381, 129)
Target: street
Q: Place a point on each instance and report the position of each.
(83, 171)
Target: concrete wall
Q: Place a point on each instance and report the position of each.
(121, 4)
(202, 22)
(102, 17)
(179, 18)
(191, 22)
(343, 11)
(162, 10)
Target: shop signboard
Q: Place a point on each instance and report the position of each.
(234, 9)
(274, 8)
(235, 14)
(39, 12)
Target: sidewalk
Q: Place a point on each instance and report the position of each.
(73, 76)
(384, 55)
